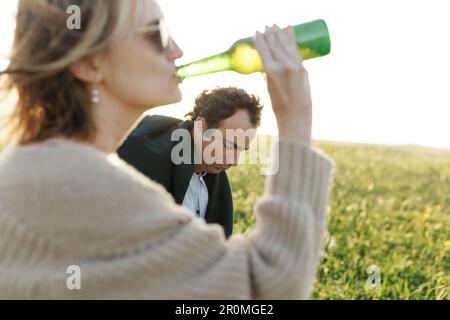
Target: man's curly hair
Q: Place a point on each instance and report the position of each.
(221, 103)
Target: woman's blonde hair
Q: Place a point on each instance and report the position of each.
(50, 100)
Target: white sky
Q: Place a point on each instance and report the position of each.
(386, 80)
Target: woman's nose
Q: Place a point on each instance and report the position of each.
(174, 51)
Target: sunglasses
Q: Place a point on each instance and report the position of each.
(157, 34)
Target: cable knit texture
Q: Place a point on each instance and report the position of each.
(64, 203)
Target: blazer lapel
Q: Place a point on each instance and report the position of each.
(182, 175)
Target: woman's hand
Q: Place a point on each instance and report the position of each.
(287, 81)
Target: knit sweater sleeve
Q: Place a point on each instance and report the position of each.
(131, 240)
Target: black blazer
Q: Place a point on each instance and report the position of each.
(148, 148)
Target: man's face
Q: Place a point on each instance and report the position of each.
(222, 150)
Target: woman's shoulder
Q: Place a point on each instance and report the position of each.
(61, 160)
(48, 159)
(61, 190)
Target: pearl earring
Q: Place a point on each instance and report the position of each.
(95, 96)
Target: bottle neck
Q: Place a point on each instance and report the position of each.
(216, 63)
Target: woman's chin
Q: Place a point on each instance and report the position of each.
(179, 95)
(175, 97)
(172, 99)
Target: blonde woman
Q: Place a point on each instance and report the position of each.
(67, 203)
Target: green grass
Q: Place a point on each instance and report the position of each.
(390, 207)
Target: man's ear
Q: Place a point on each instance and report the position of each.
(87, 69)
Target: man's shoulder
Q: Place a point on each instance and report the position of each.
(151, 134)
(154, 126)
(149, 146)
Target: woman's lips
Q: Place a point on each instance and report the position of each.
(178, 80)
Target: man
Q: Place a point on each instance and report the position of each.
(202, 186)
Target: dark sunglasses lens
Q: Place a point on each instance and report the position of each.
(159, 38)
(155, 39)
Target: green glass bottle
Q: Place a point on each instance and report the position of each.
(313, 40)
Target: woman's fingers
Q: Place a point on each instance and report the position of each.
(280, 47)
(271, 41)
(263, 50)
(290, 45)
(287, 82)
(278, 50)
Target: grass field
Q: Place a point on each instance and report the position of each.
(389, 207)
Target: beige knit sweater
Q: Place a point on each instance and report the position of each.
(64, 203)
